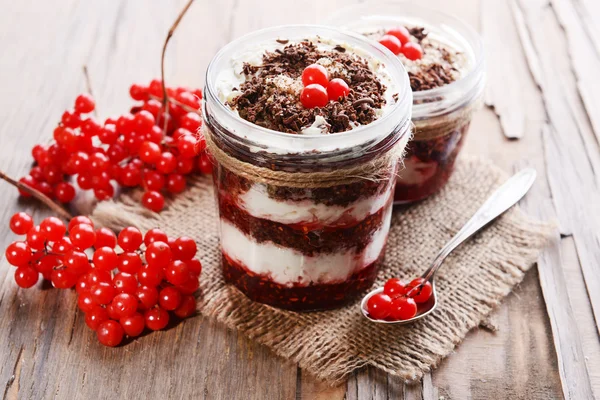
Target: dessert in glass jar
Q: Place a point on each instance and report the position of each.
(445, 61)
(306, 126)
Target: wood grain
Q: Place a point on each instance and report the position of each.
(542, 59)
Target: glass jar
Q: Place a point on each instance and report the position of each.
(441, 115)
(290, 236)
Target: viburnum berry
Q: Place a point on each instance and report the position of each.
(26, 276)
(175, 183)
(190, 121)
(337, 88)
(194, 266)
(103, 293)
(419, 289)
(35, 238)
(401, 33)
(76, 262)
(129, 262)
(392, 43)
(130, 239)
(166, 163)
(153, 181)
(85, 302)
(156, 318)
(187, 307)
(124, 304)
(150, 276)
(63, 279)
(147, 296)
(190, 286)
(105, 259)
(314, 95)
(125, 283)
(53, 229)
(110, 333)
(18, 254)
(95, 317)
(177, 272)
(64, 192)
(412, 51)
(150, 152)
(188, 146)
(63, 246)
(133, 325)
(379, 306)
(153, 201)
(143, 122)
(185, 248)
(21, 223)
(403, 308)
(84, 103)
(105, 238)
(158, 254)
(315, 74)
(155, 235)
(169, 298)
(394, 287)
(138, 92)
(82, 236)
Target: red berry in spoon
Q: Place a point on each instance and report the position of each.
(337, 88)
(394, 288)
(379, 306)
(412, 51)
(419, 289)
(401, 33)
(314, 95)
(392, 43)
(315, 74)
(403, 308)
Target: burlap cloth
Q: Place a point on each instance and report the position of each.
(332, 344)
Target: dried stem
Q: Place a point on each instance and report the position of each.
(180, 104)
(38, 195)
(88, 84)
(165, 99)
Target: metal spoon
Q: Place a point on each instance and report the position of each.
(500, 201)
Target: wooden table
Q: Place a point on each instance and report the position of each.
(543, 66)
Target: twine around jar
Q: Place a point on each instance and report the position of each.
(376, 169)
(434, 127)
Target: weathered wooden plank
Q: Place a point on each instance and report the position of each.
(573, 180)
(567, 340)
(504, 93)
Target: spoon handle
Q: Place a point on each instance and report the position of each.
(501, 200)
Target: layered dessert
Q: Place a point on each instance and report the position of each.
(444, 60)
(314, 239)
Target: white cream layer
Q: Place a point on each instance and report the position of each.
(257, 203)
(287, 266)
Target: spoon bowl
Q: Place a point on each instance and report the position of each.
(499, 202)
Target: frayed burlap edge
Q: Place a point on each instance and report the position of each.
(332, 344)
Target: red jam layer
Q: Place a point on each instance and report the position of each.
(315, 297)
(429, 163)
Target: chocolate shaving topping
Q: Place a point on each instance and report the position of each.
(282, 41)
(418, 33)
(434, 75)
(270, 94)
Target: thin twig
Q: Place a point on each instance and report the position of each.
(38, 195)
(88, 84)
(165, 99)
(180, 104)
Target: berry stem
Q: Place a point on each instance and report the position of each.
(180, 104)
(88, 85)
(165, 98)
(38, 195)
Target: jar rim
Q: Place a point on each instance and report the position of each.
(431, 102)
(398, 115)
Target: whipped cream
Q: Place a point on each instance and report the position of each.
(231, 78)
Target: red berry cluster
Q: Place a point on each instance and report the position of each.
(398, 301)
(397, 40)
(131, 150)
(120, 293)
(318, 89)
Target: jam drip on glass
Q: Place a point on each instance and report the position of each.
(429, 163)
